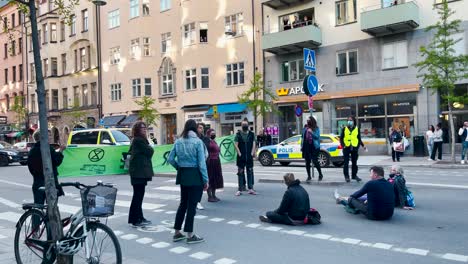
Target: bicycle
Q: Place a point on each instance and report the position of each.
(33, 232)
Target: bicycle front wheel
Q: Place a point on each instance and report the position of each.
(103, 246)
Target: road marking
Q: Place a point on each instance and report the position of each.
(2, 236)
(294, 232)
(417, 251)
(201, 255)
(336, 239)
(10, 216)
(179, 250)
(9, 203)
(15, 183)
(224, 261)
(171, 181)
(217, 220)
(201, 216)
(273, 228)
(253, 225)
(144, 240)
(168, 188)
(438, 185)
(455, 257)
(161, 245)
(68, 208)
(162, 196)
(231, 185)
(351, 241)
(318, 236)
(235, 222)
(382, 246)
(146, 206)
(365, 244)
(159, 210)
(128, 237)
(170, 212)
(118, 232)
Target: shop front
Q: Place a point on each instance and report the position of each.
(200, 117)
(228, 117)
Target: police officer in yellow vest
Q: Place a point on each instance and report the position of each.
(350, 139)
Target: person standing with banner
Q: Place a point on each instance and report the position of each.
(141, 171)
(310, 146)
(350, 139)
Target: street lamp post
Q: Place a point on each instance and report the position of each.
(98, 4)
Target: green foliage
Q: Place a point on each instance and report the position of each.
(253, 97)
(20, 111)
(147, 112)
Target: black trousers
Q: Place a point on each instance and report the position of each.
(189, 197)
(396, 155)
(241, 177)
(358, 205)
(279, 218)
(39, 196)
(135, 214)
(312, 157)
(354, 157)
(437, 147)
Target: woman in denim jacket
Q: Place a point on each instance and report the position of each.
(189, 159)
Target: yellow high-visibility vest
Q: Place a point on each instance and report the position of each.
(351, 137)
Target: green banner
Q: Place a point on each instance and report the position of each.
(108, 160)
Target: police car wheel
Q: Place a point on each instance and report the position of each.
(266, 159)
(323, 159)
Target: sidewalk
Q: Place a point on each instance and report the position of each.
(409, 161)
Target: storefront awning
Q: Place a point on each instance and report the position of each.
(15, 134)
(228, 108)
(129, 120)
(110, 121)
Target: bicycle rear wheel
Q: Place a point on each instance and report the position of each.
(104, 247)
(31, 239)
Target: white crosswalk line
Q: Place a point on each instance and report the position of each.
(382, 246)
(9, 203)
(146, 206)
(201, 216)
(144, 240)
(417, 251)
(128, 236)
(161, 245)
(224, 261)
(455, 257)
(217, 220)
(201, 255)
(179, 250)
(2, 236)
(161, 196)
(10, 216)
(235, 222)
(253, 225)
(168, 188)
(318, 236)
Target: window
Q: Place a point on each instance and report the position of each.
(13, 21)
(14, 73)
(235, 74)
(146, 47)
(47, 100)
(73, 25)
(346, 62)
(53, 67)
(86, 138)
(136, 87)
(88, 48)
(165, 5)
(394, 55)
(83, 59)
(20, 18)
(7, 97)
(21, 72)
(46, 67)
(51, 5)
(105, 138)
(345, 12)
(45, 31)
(20, 45)
(205, 78)
(148, 86)
(145, 8)
(84, 93)
(292, 70)
(62, 30)
(33, 72)
(116, 92)
(134, 9)
(189, 34)
(5, 71)
(84, 17)
(53, 32)
(33, 103)
(65, 98)
(13, 48)
(5, 50)
(114, 55)
(113, 18)
(94, 95)
(55, 99)
(167, 78)
(76, 96)
(134, 48)
(166, 42)
(190, 79)
(234, 25)
(203, 32)
(76, 60)
(64, 63)
(459, 47)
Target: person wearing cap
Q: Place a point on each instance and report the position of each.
(294, 206)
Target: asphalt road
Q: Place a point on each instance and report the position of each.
(436, 232)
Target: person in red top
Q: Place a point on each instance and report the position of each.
(213, 164)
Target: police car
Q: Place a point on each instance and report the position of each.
(289, 151)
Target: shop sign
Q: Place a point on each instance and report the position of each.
(197, 116)
(298, 90)
(3, 120)
(229, 118)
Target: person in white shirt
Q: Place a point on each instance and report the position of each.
(463, 132)
(430, 140)
(438, 141)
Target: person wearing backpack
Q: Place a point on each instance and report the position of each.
(398, 181)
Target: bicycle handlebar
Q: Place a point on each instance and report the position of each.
(79, 185)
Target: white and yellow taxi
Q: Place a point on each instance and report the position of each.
(289, 151)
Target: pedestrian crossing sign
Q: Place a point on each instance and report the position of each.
(309, 60)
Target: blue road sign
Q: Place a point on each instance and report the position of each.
(309, 60)
(298, 110)
(312, 84)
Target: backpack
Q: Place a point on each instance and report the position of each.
(410, 199)
(313, 217)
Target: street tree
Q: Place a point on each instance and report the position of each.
(147, 112)
(441, 67)
(20, 112)
(255, 97)
(29, 9)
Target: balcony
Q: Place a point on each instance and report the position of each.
(280, 4)
(292, 40)
(381, 21)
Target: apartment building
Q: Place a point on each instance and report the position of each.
(12, 70)
(68, 54)
(189, 55)
(365, 50)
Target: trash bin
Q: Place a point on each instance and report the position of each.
(419, 146)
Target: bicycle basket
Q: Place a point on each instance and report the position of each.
(98, 201)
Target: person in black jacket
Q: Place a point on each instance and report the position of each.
(36, 169)
(245, 148)
(141, 171)
(395, 137)
(294, 206)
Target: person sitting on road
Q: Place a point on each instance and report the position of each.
(398, 181)
(380, 201)
(294, 206)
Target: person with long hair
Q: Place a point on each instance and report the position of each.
(438, 142)
(310, 146)
(188, 158)
(213, 163)
(141, 171)
(430, 140)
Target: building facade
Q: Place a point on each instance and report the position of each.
(12, 72)
(188, 55)
(365, 55)
(69, 66)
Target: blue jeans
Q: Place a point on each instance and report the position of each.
(464, 149)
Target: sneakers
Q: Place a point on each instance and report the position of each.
(200, 207)
(463, 162)
(429, 159)
(178, 237)
(264, 219)
(252, 192)
(238, 193)
(357, 179)
(139, 224)
(194, 239)
(336, 195)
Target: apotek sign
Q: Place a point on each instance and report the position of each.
(298, 90)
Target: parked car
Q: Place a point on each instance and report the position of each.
(24, 145)
(289, 151)
(8, 154)
(99, 136)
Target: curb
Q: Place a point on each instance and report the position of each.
(322, 183)
(435, 166)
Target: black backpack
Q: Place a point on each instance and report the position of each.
(313, 217)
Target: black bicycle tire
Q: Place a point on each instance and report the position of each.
(110, 233)
(19, 226)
